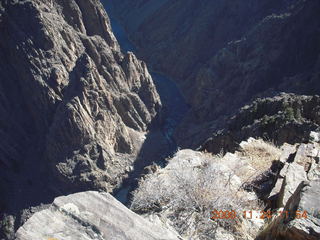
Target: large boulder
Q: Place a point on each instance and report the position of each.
(90, 216)
(299, 195)
(295, 174)
(302, 221)
(300, 163)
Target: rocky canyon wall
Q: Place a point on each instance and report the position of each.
(74, 109)
(224, 54)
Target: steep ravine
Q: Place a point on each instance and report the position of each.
(158, 145)
(224, 54)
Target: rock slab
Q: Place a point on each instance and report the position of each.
(90, 216)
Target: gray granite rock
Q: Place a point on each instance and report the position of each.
(299, 197)
(301, 163)
(288, 151)
(315, 136)
(90, 216)
(303, 221)
(295, 174)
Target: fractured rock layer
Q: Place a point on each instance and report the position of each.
(74, 109)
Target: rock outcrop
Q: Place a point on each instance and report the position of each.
(296, 194)
(286, 118)
(74, 109)
(91, 216)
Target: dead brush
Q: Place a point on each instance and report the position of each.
(260, 155)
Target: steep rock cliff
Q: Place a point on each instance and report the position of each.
(74, 109)
(280, 54)
(223, 54)
(178, 37)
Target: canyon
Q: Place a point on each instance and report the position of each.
(225, 54)
(161, 104)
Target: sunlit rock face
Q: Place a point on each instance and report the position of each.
(74, 109)
(91, 216)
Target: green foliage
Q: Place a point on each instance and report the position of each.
(266, 120)
(289, 113)
(292, 113)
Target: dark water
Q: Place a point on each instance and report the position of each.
(174, 109)
(174, 105)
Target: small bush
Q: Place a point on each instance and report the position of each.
(259, 155)
(289, 113)
(187, 193)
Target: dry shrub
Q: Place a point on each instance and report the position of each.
(187, 194)
(260, 154)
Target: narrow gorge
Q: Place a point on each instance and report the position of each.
(158, 119)
(174, 109)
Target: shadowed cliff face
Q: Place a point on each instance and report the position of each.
(285, 118)
(223, 54)
(178, 37)
(79, 113)
(74, 109)
(280, 54)
(159, 143)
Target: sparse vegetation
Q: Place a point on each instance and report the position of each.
(289, 113)
(260, 155)
(187, 192)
